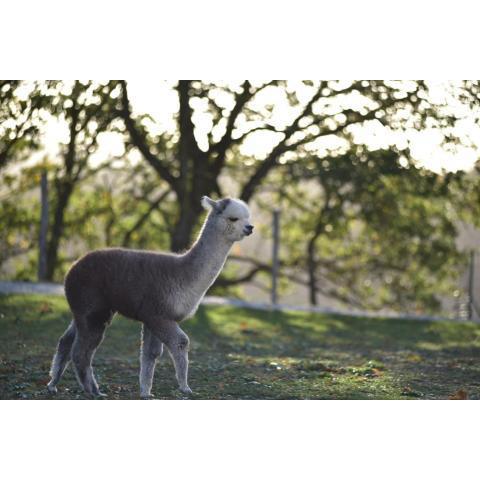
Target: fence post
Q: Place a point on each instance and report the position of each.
(42, 241)
(471, 276)
(275, 247)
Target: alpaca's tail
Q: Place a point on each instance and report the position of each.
(61, 357)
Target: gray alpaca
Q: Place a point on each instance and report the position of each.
(158, 289)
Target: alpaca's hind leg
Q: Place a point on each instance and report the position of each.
(61, 357)
(151, 349)
(178, 349)
(89, 336)
(82, 355)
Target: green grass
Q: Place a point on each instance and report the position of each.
(250, 354)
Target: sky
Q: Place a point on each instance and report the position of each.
(158, 99)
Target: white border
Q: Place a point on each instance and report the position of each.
(248, 38)
(238, 440)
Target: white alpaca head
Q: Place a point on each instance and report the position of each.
(229, 216)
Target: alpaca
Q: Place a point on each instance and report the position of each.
(158, 289)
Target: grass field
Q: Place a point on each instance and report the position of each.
(250, 354)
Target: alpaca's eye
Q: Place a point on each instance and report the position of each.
(233, 219)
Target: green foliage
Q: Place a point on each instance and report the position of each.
(18, 222)
(378, 230)
(21, 104)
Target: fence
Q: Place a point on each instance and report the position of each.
(463, 305)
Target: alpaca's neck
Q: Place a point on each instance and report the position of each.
(207, 257)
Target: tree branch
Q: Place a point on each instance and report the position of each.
(140, 141)
(241, 99)
(221, 147)
(267, 164)
(259, 267)
(143, 218)
(265, 127)
(228, 282)
(282, 147)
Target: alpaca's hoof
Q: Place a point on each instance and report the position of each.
(52, 389)
(96, 395)
(146, 396)
(186, 390)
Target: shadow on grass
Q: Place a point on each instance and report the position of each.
(423, 359)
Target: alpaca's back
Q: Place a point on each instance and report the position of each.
(132, 282)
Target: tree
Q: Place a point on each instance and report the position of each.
(85, 109)
(372, 229)
(43, 230)
(191, 160)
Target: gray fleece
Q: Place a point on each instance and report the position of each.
(158, 289)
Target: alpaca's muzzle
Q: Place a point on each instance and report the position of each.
(248, 230)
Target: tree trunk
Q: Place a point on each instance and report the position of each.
(42, 242)
(64, 190)
(183, 229)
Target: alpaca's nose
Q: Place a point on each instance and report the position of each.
(249, 229)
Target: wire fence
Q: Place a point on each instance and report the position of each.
(463, 304)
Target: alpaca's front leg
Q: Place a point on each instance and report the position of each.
(177, 343)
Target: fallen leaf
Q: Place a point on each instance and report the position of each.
(459, 395)
(45, 308)
(414, 358)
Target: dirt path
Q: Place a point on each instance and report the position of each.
(57, 289)
(28, 287)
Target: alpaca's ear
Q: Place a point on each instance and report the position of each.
(208, 203)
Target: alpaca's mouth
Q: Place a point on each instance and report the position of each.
(247, 230)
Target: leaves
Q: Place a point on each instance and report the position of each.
(459, 395)
(44, 307)
(246, 330)
(372, 228)
(413, 357)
